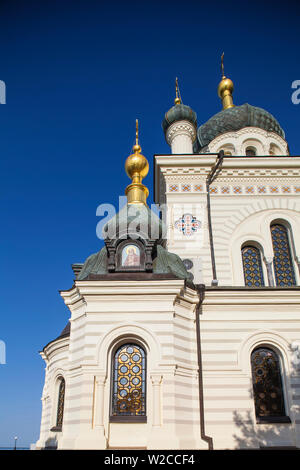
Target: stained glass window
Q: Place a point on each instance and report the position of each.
(252, 266)
(283, 264)
(129, 382)
(267, 384)
(60, 404)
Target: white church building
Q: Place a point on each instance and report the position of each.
(184, 330)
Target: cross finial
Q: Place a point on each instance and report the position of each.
(222, 65)
(178, 97)
(136, 132)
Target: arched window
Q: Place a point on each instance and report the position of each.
(228, 149)
(274, 150)
(60, 404)
(250, 151)
(267, 385)
(253, 272)
(129, 384)
(283, 264)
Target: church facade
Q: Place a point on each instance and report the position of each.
(184, 330)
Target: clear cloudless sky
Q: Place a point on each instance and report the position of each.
(77, 75)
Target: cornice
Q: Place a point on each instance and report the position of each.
(55, 346)
(125, 288)
(243, 296)
(196, 162)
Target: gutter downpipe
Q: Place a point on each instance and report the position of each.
(210, 178)
(201, 289)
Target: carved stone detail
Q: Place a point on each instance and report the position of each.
(180, 128)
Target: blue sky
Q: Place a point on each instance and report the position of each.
(77, 75)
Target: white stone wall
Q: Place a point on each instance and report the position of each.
(247, 195)
(56, 358)
(161, 316)
(232, 324)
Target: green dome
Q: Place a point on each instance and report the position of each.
(179, 112)
(134, 218)
(233, 119)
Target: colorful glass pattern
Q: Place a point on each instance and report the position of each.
(60, 405)
(252, 266)
(129, 381)
(283, 265)
(267, 383)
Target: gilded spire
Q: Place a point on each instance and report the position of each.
(137, 168)
(178, 97)
(225, 88)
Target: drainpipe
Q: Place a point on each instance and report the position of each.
(210, 178)
(200, 289)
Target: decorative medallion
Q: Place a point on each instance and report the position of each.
(188, 224)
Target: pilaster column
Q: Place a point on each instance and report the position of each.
(156, 384)
(99, 398)
(269, 266)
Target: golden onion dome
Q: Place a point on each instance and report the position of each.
(137, 168)
(225, 88)
(136, 165)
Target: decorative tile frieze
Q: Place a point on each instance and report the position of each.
(173, 188)
(237, 190)
(213, 189)
(225, 190)
(286, 189)
(232, 189)
(261, 189)
(249, 190)
(186, 188)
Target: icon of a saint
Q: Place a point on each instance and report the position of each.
(131, 256)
